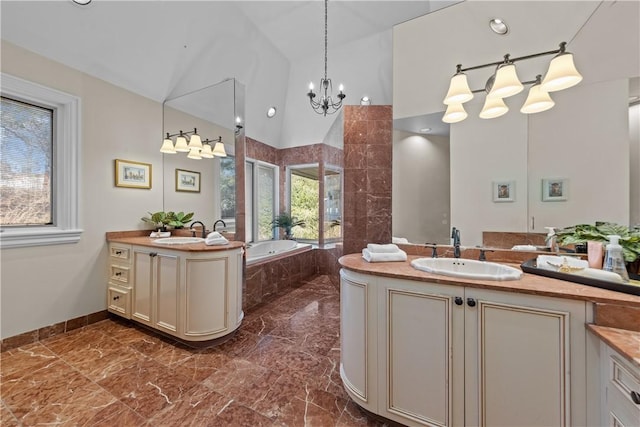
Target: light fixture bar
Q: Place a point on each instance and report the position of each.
(507, 58)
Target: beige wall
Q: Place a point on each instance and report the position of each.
(44, 285)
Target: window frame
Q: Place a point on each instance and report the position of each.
(254, 197)
(65, 164)
(230, 222)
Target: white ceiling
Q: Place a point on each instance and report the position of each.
(162, 49)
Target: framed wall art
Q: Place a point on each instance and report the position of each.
(555, 189)
(132, 174)
(188, 181)
(504, 191)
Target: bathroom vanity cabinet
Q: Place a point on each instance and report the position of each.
(438, 355)
(194, 295)
(620, 389)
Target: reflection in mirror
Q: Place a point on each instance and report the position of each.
(211, 113)
(332, 203)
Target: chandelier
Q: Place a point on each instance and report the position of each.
(325, 105)
(504, 82)
(190, 142)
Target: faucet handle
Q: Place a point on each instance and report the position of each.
(482, 256)
(434, 249)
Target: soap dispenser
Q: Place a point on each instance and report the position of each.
(614, 260)
(551, 240)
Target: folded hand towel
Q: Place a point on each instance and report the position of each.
(399, 240)
(382, 249)
(215, 238)
(368, 256)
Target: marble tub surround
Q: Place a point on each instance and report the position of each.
(625, 342)
(281, 369)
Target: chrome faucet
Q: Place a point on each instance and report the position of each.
(216, 223)
(204, 231)
(455, 235)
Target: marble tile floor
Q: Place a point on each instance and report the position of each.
(280, 369)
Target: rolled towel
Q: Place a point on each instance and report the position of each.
(399, 240)
(215, 238)
(389, 248)
(369, 256)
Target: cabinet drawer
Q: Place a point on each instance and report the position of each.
(119, 274)
(119, 301)
(625, 379)
(121, 253)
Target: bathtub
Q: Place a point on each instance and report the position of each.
(274, 249)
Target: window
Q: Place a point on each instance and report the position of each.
(228, 189)
(261, 197)
(39, 144)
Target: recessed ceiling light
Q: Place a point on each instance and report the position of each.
(425, 130)
(498, 26)
(271, 112)
(365, 100)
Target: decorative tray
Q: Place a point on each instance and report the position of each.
(531, 266)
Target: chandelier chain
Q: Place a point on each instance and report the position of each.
(326, 2)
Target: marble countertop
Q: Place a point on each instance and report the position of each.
(528, 284)
(141, 238)
(625, 342)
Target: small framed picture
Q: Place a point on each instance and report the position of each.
(504, 191)
(132, 174)
(555, 189)
(188, 181)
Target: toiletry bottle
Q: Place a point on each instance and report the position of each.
(614, 260)
(551, 239)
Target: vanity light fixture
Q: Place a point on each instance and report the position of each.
(504, 82)
(190, 142)
(326, 105)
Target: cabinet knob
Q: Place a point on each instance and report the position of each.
(635, 396)
(458, 301)
(116, 298)
(119, 273)
(153, 254)
(471, 302)
(118, 252)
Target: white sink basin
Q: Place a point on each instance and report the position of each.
(467, 268)
(178, 240)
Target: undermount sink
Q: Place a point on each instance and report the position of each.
(178, 240)
(467, 268)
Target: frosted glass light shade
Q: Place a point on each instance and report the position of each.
(506, 83)
(206, 151)
(218, 150)
(455, 113)
(167, 147)
(459, 91)
(194, 153)
(537, 101)
(181, 144)
(562, 74)
(195, 141)
(493, 107)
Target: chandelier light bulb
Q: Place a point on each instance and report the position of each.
(493, 107)
(341, 87)
(181, 144)
(506, 82)
(455, 113)
(311, 86)
(459, 91)
(562, 73)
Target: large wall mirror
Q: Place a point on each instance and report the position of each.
(589, 140)
(207, 186)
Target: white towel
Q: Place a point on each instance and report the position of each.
(399, 240)
(215, 238)
(389, 248)
(368, 256)
(550, 262)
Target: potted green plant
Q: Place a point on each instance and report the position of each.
(179, 219)
(583, 233)
(159, 219)
(287, 222)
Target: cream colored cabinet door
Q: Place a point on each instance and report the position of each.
(207, 296)
(423, 376)
(358, 338)
(155, 289)
(524, 360)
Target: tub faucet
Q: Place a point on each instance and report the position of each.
(455, 235)
(216, 223)
(204, 231)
